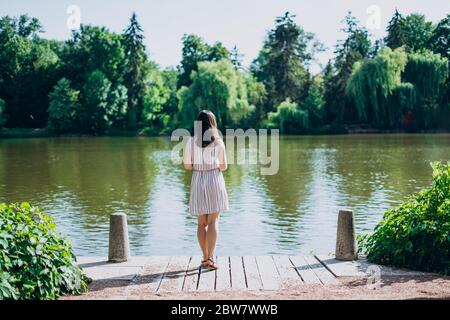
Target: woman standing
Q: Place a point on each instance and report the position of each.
(206, 156)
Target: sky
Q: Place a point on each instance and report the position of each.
(243, 23)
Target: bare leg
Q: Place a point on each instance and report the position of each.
(211, 234)
(201, 235)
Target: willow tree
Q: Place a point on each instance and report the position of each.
(289, 118)
(428, 72)
(216, 86)
(372, 82)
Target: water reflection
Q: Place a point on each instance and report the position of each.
(81, 181)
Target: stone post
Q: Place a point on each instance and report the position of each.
(119, 248)
(345, 241)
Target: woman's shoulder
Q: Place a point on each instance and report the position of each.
(219, 142)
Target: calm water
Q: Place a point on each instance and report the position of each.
(81, 181)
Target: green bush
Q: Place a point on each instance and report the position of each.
(35, 262)
(289, 118)
(2, 113)
(416, 235)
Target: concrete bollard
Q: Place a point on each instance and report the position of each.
(345, 241)
(119, 248)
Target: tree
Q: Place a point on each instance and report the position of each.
(236, 58)
(428, 72)
(439, 40)
(216, 86)
(2, 113)
(135, 72)
(418, 32)
(28, 71)
(95, 114)
(282, 62)
(372, 82)
(354, 48)
(289, 118)
(396, 36)
(93, 48)
(195, 50)
(63, 106)
(314, 103)
(118, 106)
(155, 98)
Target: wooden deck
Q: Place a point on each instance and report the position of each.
(161, 274)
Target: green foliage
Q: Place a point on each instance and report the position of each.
(396, 31)
(417, 31)
(354, 48)
(27, 72)
(136, 68)
(314, 104)
(35, 262)
(417, 233)
(2, 113)
(439, 40)
(289, 118)
(216, 86)
(63, 105)
(429, 73)
(373, 81)
(156, 96)
(195, 50)
(281, 63)
(95, 115)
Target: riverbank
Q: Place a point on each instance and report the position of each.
(45, 133)
(261, 277)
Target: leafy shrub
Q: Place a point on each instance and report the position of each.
(416, 234)
(63, 105)
(289, 118)
(35, 262)
(2, 113)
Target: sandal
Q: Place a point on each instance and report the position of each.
(205, 263)
(212, 265)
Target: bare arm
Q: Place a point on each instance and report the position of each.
(223, 163)
(187, 159)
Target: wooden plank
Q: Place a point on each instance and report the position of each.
(207, 280)
(175, 273)
(302, 267)
(252, 273)
(289, 277)
(237, 273)
(343, 268)
(149, 279)
(192, 274)
(325, 276)
(223, 280)
(269, 274)
(362, 268)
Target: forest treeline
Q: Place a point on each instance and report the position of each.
(99, 81)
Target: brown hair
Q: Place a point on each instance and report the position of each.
(208, 120)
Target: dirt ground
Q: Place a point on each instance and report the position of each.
(424, 287)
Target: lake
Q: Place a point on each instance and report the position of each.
(81, 181)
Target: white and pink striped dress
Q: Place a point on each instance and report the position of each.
(208, 191)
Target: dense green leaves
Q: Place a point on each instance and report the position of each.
(416, 234)
(219, 87)
(63, 107)
(2, 113)
(289, 118)
(282, 62)
(35, 262)
(120, 88)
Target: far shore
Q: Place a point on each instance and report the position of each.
(45, 133)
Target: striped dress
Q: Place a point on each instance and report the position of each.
(208, 191)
